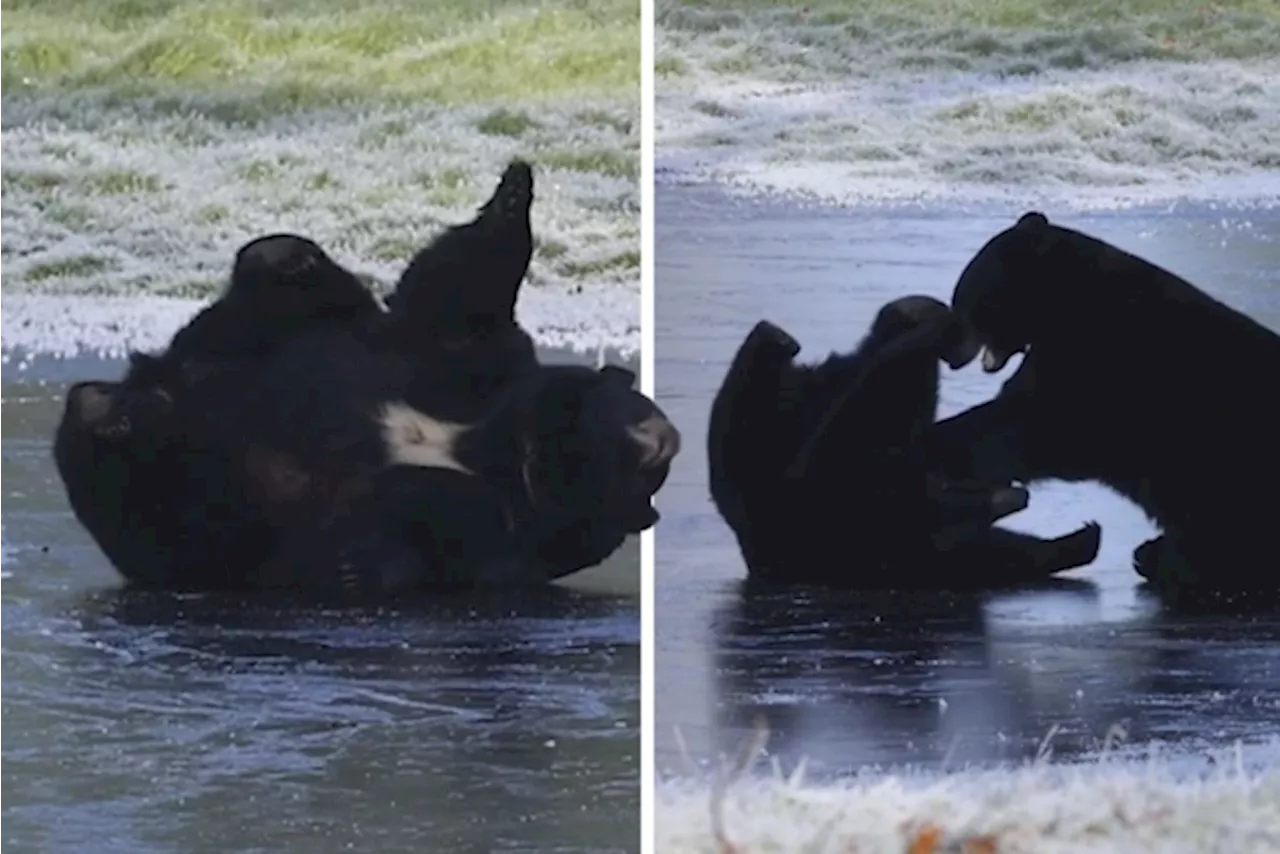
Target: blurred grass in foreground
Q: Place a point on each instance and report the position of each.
(310, 53)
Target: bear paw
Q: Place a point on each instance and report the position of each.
(1080, 547)
(1161, 565)
(769, 336)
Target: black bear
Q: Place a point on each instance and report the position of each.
(809, 464)
(1126, 380)
(453, 308)
(283, 435)
(220, 488)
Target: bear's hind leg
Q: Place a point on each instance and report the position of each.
(742, 440)
(1003, 558)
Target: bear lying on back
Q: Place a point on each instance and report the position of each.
(239, 454)
(220, 489)
(821, 471)
(1131, 378)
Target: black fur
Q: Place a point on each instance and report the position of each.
(281, 431)
(1129, 379)
(152, 444)
(167, 509)
(552, 459)
(280, 285)
(822, 473)
(278, 474)
(453, 309)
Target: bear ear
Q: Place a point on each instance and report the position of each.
(618, 374)
(1032, 221)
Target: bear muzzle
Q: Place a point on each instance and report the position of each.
(658, 441)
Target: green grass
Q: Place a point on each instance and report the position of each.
(305, 53)
(603, 119)
(213, 214)
(396, 248)
(985, 13)
(102, 182)
(449, 187)
(31, 181)
(711, 108)
(122, 182)
(616, 164)
(670, 66)
(504, 122)
(549, 250)
(78, 265)
(585, 269)
(957, 31)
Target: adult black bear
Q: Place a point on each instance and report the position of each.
(286, 437)
(219, 488)
(453, 308)
(1127, 381)
(808, 463)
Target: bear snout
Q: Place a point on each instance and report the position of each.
(658, 441)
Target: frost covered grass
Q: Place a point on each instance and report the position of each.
(917, 100)
(143, 142)
(834, 39)
(1100, 807)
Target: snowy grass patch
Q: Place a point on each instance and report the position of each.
(1103, 807)
(1088, 105)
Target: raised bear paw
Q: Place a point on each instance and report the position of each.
(767, 336)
